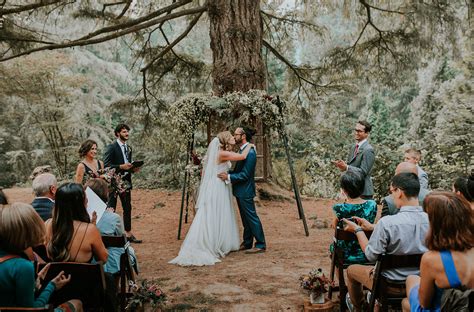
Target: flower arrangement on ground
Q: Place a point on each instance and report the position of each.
(146, 292)
(315, 282)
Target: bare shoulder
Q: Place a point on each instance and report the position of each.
(431, 259)
(92, 228)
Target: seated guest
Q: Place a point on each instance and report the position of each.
(110, 224)
(464, 186)
(44, 188)
(388, 205)
(89, 167)
(449, 263)
(400, 234)
(69, 234)
(414, 156)
(3, 198)
(20, 229)
(352, 186)
(40, 170)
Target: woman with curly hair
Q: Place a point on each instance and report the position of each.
(449, 263)
(214, 231)
(89, 167)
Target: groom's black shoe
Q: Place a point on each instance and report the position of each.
(255, 250)
(243, 247)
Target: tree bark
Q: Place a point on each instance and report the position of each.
(236, 43)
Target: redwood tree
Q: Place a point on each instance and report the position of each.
(236, 43)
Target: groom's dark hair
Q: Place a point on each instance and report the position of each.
(249, 132)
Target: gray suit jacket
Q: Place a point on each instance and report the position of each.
(364, 160)
(388, 205)
(423, 177)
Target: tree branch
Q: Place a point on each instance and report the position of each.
(28, 7)
(289, 20)
(382, 10)
(125, 9)
(172, 51)
(24, 40)
(82, 42)
(294, 68)
(105, 5)
(137, 21)
(175, 42)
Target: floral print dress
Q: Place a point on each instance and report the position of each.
(368, 210)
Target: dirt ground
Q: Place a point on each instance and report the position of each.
(241, 282)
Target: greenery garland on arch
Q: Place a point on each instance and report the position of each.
(186, 114)
(189, 112)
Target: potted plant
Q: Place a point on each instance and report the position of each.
(316, 283)
(146, 294)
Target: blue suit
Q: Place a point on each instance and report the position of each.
(243, 188)
(44, 207)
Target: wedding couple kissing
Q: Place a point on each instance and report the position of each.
(214, 231)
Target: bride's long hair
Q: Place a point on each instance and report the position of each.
(224, 139)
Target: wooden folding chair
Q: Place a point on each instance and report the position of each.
(337, 260)
(381, 285)
(126, 270)
(87, 284)
(47, 308)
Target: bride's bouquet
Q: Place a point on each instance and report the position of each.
(116, 182)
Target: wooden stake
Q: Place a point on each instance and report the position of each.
(292, 172)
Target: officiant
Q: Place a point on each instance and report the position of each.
(118, 155)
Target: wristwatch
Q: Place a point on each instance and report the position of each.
(358, 229)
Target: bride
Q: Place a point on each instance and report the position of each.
(214, 231)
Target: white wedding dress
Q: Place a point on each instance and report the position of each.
(214, 231)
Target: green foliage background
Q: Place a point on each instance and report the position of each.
(422, 100)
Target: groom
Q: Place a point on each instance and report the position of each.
(243, 184)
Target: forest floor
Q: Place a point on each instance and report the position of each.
(241, 282)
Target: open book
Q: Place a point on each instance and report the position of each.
(137, 163)
(94, 203)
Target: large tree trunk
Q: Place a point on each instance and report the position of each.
(236, 43)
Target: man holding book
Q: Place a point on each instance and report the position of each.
(118, 156)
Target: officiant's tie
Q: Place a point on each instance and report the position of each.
(356, 150)
(125, 149)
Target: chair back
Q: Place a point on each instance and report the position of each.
(115, 241)
(340, 234)
(337, 261)
(87, 283)
(387, 262)
(126, 271)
